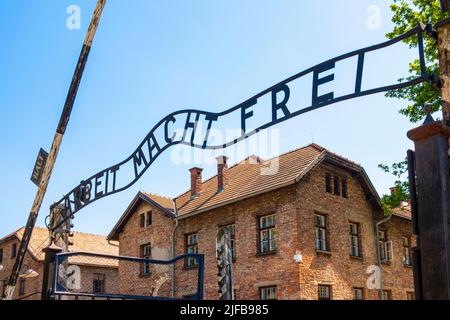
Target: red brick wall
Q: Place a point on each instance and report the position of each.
(397, 277)
(34, 285)
(294, 208)
(338, 269)
(250, 269)
(159, 235)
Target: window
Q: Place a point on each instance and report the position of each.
(336, 185)
(386, 295)
(268, 293)
(1, 255)
(191, 247)
(406, 251)
(328, 187)
(385, 247)
(410, 295)
(321, 232)
(14, 250)
(324, 292)
(344, 187)
(232, 229)
(146, 219)
(142, 220)
(98, 284)
(267, 234)
(355, 245)
(146, 252)
(22, 287)
(358, 293)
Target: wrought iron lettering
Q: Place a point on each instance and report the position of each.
(124, 174)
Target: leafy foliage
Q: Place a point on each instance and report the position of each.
(407, 15)
(400, 191)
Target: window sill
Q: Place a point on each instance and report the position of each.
(327, 253)
(359, 258)
(145, 275)
(409, 266)
(263, 254)
(387, 263)
(190, 267)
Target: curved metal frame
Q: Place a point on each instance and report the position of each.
(76, 199)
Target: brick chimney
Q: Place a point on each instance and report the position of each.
(222, 166)
(196, 180)
(393, 190)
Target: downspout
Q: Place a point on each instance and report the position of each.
(377, 227)
(175, 210)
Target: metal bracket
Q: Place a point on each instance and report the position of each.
(429, 30)
(434, 79)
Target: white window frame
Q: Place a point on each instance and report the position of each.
(268, 293)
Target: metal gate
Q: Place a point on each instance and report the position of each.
(127, 278)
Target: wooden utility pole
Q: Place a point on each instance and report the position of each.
(48, 168)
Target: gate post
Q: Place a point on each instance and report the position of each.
(433, 208)
(49, 270)
(443, 37)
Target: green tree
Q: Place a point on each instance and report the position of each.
(407, 15)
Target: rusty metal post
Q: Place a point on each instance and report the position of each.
(433, 208)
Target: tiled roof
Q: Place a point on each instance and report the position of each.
(166, 203)
(254, 176)
(404, 211)
(249, 178)
(83, 242)
(246, 178)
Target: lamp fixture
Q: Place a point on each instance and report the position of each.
(298, 257)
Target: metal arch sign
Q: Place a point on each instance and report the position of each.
(111, 180)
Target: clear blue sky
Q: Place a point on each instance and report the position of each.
(154, 57)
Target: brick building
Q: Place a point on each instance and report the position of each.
(96, 274)
(315, 204)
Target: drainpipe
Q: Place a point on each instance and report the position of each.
(175, 210)
(377, 227)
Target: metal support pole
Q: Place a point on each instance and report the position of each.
(9, 291)
(418, 290)
(49, 271)
(225, 264)
(433, 208)
(377, 230)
